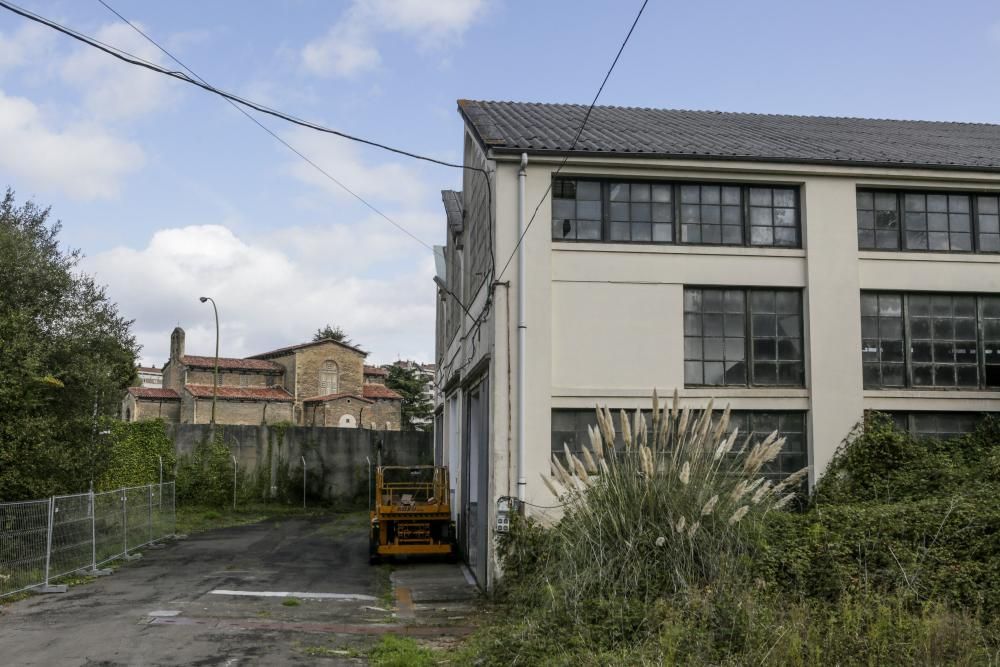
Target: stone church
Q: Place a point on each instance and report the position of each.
(322, 383)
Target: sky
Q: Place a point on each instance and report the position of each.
(171, 194)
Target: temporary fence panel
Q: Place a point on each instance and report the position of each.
(72, 534)
(24, 528)
(136, 508)
(41, 540)
(109, 533)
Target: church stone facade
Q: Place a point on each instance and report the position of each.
(322, 383)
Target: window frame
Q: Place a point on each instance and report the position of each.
(900, 195)
(749, 358)
(909, 385)
(675, 202)
(582, 417)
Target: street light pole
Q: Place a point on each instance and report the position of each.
(215, 379)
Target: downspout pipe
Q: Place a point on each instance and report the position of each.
(522, 327)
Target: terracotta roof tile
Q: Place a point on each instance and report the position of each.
(379, 391)
(240, 393)
(230, 363)
(334, 397)
(283, 351)
(375, 370)
(154, 393)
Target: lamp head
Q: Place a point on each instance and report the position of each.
(203, 299)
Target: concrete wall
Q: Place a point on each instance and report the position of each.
(336, 465)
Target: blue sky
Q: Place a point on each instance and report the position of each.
(171, 193)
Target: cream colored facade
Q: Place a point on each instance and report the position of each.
(605, 321)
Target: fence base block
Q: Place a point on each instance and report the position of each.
(131, 556)
(53, 588)
(156, 546)
(93, 572)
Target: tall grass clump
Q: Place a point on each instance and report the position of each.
(676, 508)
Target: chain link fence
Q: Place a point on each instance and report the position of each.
(42, 540)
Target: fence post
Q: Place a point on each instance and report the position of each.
(93, 571)
(303, 481)
(152, 534)
(234, 482)
(47, 587)
(149, 513)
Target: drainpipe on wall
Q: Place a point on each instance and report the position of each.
(522, 328)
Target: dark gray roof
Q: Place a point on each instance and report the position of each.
(541, 128)
(453, 209)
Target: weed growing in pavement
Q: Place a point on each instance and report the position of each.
(393, 651)
(291, 602)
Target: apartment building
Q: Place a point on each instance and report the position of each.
(801, 270)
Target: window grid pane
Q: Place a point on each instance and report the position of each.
(663, 212)
(882, 340)
(991, 340)
(878, 221)
(576, 210)
(988, 223)
(937, 221)
(641, 212)
(943, 340)
(952, 340)
(714, 337)
(776, 330)
(711, 214)
(773, 217)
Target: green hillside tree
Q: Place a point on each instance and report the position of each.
(66, 359)
(334, 333)
(417, 409)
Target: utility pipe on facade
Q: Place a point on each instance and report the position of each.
(522, 327)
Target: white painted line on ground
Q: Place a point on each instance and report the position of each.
(304, 596)
(163, 613)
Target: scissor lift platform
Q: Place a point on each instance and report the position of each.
(411, 513)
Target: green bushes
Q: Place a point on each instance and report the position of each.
(894, 560)
(205, 476)
(926, 525)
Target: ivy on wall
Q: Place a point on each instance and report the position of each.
(132, 450)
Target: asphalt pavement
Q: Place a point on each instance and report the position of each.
(281, 592)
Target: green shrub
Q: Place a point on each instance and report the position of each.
(898, 515)
(205, 476)
(894, 560)
(132, 454)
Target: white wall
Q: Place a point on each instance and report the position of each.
(605, 321)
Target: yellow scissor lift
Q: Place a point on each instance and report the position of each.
(411, 515)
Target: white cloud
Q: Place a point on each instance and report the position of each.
(112, 89)
(342, 159)
(349, 47)
(25, 45)
(81, 160)
(271, 291)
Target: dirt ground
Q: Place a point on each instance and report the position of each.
(281, 592)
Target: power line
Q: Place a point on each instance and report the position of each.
(236, 100)
(576, 139)
(270, 132)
